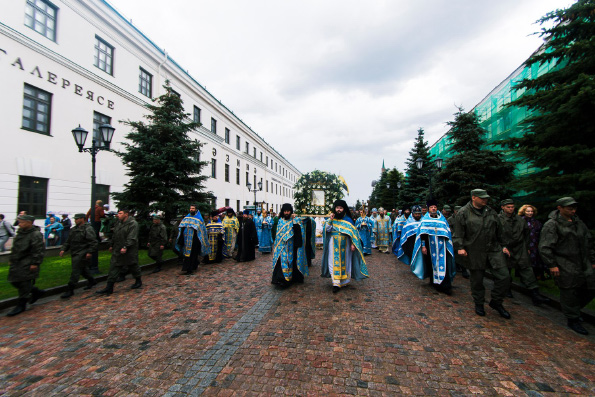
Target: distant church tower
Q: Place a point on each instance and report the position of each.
(383, 167)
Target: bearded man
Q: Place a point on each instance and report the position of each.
(247, 239)
(231, 226)
(382, 228)
(192, 240)
(343, 255)
(403, 248)
(289, 263)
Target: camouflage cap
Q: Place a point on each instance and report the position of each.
(29, 218)
(565, 202)
(446, 207)
(457, 207)
(480, 193)
(506, 202)
(79, 215)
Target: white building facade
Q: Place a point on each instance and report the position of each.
(70, 62)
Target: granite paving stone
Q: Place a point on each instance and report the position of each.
(227, 331)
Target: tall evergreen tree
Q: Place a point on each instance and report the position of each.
(163, 162)
(385, 192)
(560, 131)
(473, 165)
(417, 182)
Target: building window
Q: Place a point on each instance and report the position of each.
(104, 56)
(33, 194)
(254, 152)
(237, 205)
(145, 83)
(102, 193)
(37, 106)
(247, 148)
(267, 186)
(214, 168)
(261, 157)
(196, 114)
(99, 119)
(226, 172)
(227, 202)
(237, 176)
(213, 125)
(41, 16)
(247, 178)
(176, 93)
(237, 142)
(227, 136)
(267, 163)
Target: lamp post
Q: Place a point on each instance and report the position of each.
(394, 188)
(419, 163)
(106, 133)
(249, 186)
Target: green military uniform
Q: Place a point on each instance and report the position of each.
(568, 246)
(516, 236)
(81, 241)
(27, 250)
(478, 231)
(157, 238)
(125, 236)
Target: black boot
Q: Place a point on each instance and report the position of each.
(336, 289)
(574, 324)
(91, 283)
(36, 293)
(538, 299)
(509, 294)
(19, 308)
(479, 310)
(121, 278)
(68, 293)
(157, 269)
(109, 288)
(465, 273)
(137, 284)
(500, 309)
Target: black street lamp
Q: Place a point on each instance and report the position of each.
(106, 133)
(249, 186)
(394, 188)
(419, 163)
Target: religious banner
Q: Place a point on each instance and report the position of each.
(316, 191)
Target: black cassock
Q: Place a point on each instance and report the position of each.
(247, 241)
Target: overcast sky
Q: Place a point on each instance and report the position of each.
(341, 86)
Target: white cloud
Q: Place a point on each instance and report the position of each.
(348, 83)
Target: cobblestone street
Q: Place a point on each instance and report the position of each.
(227, 331)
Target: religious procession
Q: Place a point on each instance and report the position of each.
(473, 240)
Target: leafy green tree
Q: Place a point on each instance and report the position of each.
(473, 165)
(415, 190)
(559, 135)
(163, 162)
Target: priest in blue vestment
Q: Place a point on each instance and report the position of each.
(343, 256)
(399, 222)
(258, 224)
(364, 227)
(403, 248)
(192, 240)
(289, 262)
(433, 253)
(265, 238)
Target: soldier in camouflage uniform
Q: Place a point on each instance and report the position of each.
(478, 237)
(516, 233)
(124, 249)
(82, 241)
(25, 258)
(459, 260)
(566, 247)
(157, 241)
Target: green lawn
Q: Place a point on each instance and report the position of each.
(55, 271)
(549, 287)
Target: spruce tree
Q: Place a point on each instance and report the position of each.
(559, 135)
(415, 190)
(473, 165)
(163, 162)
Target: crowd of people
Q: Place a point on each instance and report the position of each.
(474, 239)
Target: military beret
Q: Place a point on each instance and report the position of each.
(566, 201)
(79, 215)
(506, 202)
(29, 218)
(480, 193)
